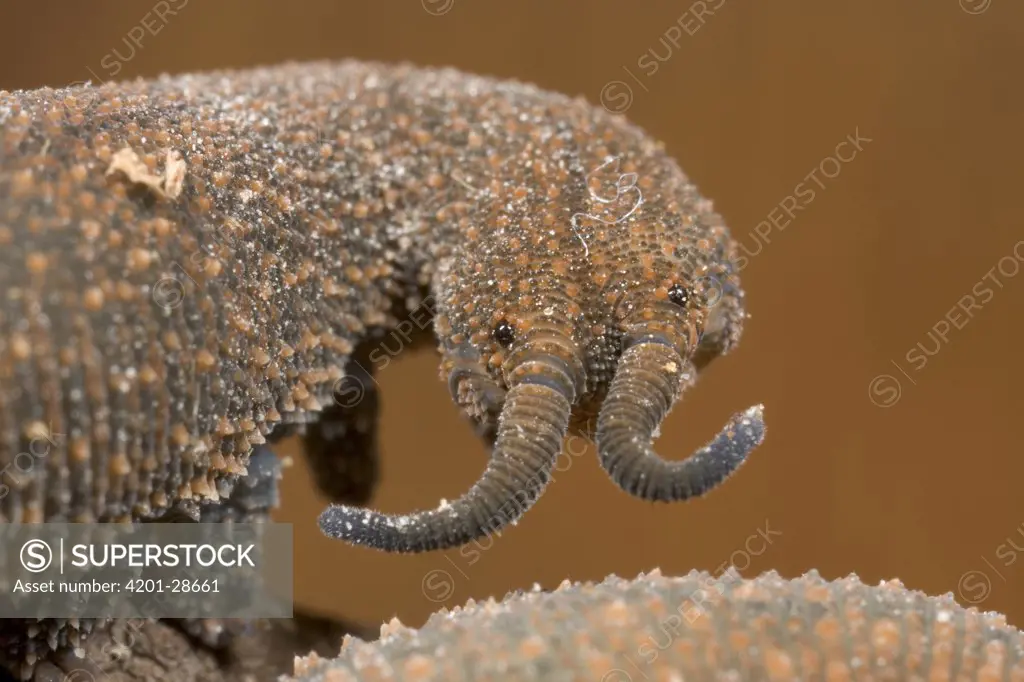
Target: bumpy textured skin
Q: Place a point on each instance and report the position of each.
(166, 336)
(188, 262)
(695, 628)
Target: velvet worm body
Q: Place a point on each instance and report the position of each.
(189, 262)
(696, 628)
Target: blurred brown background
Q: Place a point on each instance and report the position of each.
(924, 484)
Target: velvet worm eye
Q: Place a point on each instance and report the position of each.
(679, 295)
(504, 333)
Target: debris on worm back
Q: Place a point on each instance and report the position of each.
(696, 628)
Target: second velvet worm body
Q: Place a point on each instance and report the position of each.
(191, 262)
(694, 628)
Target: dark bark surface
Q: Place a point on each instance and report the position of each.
(161, 651)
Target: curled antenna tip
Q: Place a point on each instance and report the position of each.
(332, 521)
(744, 432)
(343, 521)
(354, 524)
